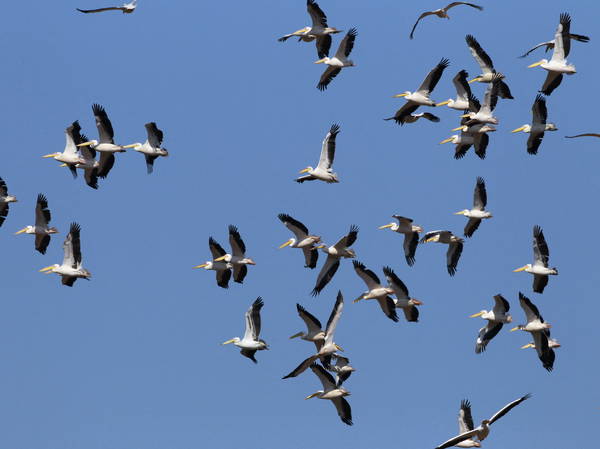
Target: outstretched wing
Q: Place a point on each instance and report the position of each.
(507, 408)
(328, 148)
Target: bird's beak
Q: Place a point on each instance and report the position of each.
(320, 61)
(400, 95)
(339, 348)
(85, 144)
(46, 269)
(432, 239)
(49, 155)
(386, 226)
(62, 165)
(299, 334)
(520, 269)
(528, 345)
(460, 128)
(535, 64)
(475, 315)
(219, 259)
(443, 103)
(306, 170)
(462, 212)
(283, 245)
(449, 139)
(514, 329)
(518, 129)
(357, 299)
(201, 266)
(133, 145)
(475, 79)
(311, 396)
(320, 246)
(228, 341)
(21, 231)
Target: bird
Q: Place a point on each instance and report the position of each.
(334, 253)
(442, 13)
(70, 156)
(475, 135)
(5, 199)
(411, 236)
(539, 330)
(550, 44)
(538, 126)
(462, 143)
(558, 65)
(237, 258)
(376, 291)
(482, 431)
(339, 60)
(88, 163)
(403, 300)
(487, 67)
(250, 343)
(412, 118)
(539, 268)
(303, 240)
(223, 269)
(477, 212)
(495, 320)
(127, 8)
(324, 171)
(482, 113)
(333, 392)
(552, 343)
(41, 230)
(465, 424)
(71, 268)
(341, 368)
(463, 92)
(151, 148)
(314, 331)
(584, 135)
(319, 31)
(421, 96)
(455, 247)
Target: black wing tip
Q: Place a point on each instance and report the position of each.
(358, 265)
(471, 40)
(233, 229)
(41, 198)
(98, 109)
(354, 228)
(75, 227)
(451, 270)
(480, 181)
(335, 129)
(352, 32)
(284, 217)
(347, 421)
(463, 73)
(444, 62)
(410, 260)
(315, 291)
(527, 396)
(539, 98)
(537, 230)
(565, 18)
(212, 241)
(258, 303)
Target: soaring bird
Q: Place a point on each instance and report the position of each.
(421, 96)
(495, 320)
(332, 391)
(41, 230)
(319, 30)
(471, 135)
(339, 60)
(376, 291)
(442, 13)
(334, 253)
(237, 258)
(484, 112)
(463, 92)
(477, 212)
(465, 424)
(127, 8)
(71, 268)
(550, 44)
(541, 255)
(455, 247)
(87, 162)
(70, 156)
(487, 67)
(411, 236)
(251, 343)
(5, 198)
(314, 330)
(403, 300)
(341, 368)
(223, 269)
(152, 147)
(324, 170)
(303, 240)
(538, 125)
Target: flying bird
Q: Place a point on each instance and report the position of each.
(411, 236)
(314, 331)
(471, 135)
(538, 126)
(477, 212)
(324, 170)
(341, 368)
(584, 135)
(339, 60)
(303, 240)
(465, 424)
(152, 147)
(495, 320)
(487, 67)
(376, 291)
(333, 392)
(88, 163)
(223, 269)
(455, 247)
(127, 8)
(5, 198)
(463, 92)
(412, 118)
(251, 343)
(41, 230)
(442, 13)
(539, 268)
(481, 113)
(550, 44)
(403, 300)
(237, 258)
(70, 156)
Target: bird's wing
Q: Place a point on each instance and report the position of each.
(105, 164)
(155, 135)
(472, 5)
(400, 289)
(539, 283)
(433, 77)
(110, 8)
(410, 247)
(486, 333)
(534, 141)
(329, 269)
(75, 232)
(312, 323)
(388, 307)
(501, 305)
(452, 256)
(479, 194)
(553, 80)
(482, 58)
(72, 135)
(302, 367)
(471, 226)
(343, 408)
(334, 318)
(329, 74)
(463, 88)
(326, 379)
(68, 253)
(318, 17)
(238, 248)
(531, 311)
(328, 148)
(105, 129)
(223, 277)
(481, 142)
(253, 320)
(42, 213)
(507, 408)
(150, 158)
(457, 439)
(548, 44)
(3, 188)
(562, 39)
(465, 419)
(544, 352)
(411, 313)
(348, 240)
(3, 212)
(584, 135)
(249, 353)
(405, 111)
(239, 273)
(41, 242)
(323, 44)
(347, 44)
(368, 276)
(541, 253)
(539, 111)
(68, 280)
(311, 256)
(216, 250)
(297, 228)
(425, 14)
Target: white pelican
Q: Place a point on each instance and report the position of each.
(341, 368)
(339, 60)
(482, 431)
(324, 170)
(303, 240)
(475, 135)
(223, 269)
(539, 330)
(442, 13)
(403, 300)
(495, 320)
(477, 212)
(334, 253)
(319, 30)
(127, 8)
(550, 44)
(557, 66)
(237, 258)
(40, 229)
(376, 291)
(151, 148)
(421, 96)
(313, 325)
(465, 424)
(487, 67)
(538, 127)
(70, 156)
(539, 269)
(251, 343)
(329, 347)
(411, 236)
(5, 198)
(332, 391)
(88, 163)
(463, 92)
(483, 113)
(455, 247)
(71, 268)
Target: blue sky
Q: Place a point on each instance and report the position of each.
(133, 358)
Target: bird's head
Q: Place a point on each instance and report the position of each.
(52, 230)
(49, 269)
(464, 212)
(288, 243)
(475, 315)
(403, 94)
(389, 225)
(52, 155)
(525, 128)
(523, 268)
(454, 138)
(233, 340)
(306, 170)
(535, 64)
(205, 265)
(476, 79)
(136, 146)
(449, 102)
(10, 199)
(324, 60)
(25, 229)
(299, 334)
(89, 143)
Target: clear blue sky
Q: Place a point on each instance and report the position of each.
(133, 358)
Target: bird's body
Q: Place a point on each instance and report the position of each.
(237, 258)
(222, 268)
(403, 300)
(314, 331)
(538, 125)
(334, 253)
(442, 13)
(126, 8)
(5, 199)
(376, 291)
(41, 230)
(541, 256)
(495, 320)
(463, 92)
(339, 60)
(70, 156)
(251, 342)
(303, 240)
(152, 147)
(455, 247)
(477, 212)
(324, 170)
(333, 392)
(341, 368)
(411, 236)
(488, 72)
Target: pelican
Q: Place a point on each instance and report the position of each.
(495, 320)
(151, 148)
(334, 253)
(237, 258)
(442, 13)
(319, 30)
(251, 343)
(223, 269)
(478, 212)
(552, 343)
(539, 269)
(5, 198)
(557, 66)
(412, 118)
(303, 240)
(411, 236)
(487, 67)
(483, 113)
(40, 229)
(71, 268)
(332, 391)
(421, 96)
(329, 347)
(482, 431)
(465, 424)
(376, 291)
(539, 330)
(324, 171)
(127, 8)
(70, 156)
(341, 368)
(88, 163)
(463, 92)
(538, 127)
(455, 247)
(339, 60)
(313, 326)
(463, 142)
(550, 44)
(475, 135)
(403, 300)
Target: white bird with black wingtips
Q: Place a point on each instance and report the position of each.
(495, 320)
(411, 235)
(152, 147)
(541, 256)
(223, 269)
(302, 240)
(477, 212)
(324, 170)
(237, 258)
(455, 247)
(339, 60)
(539, 125)
(442, 13)
(250, 343)
(403, 300)
(376, 290)
(333, 392)
(5, 199)
(41, 230)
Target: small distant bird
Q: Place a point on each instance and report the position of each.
(495, 320)
(541, 255)
(341, 368)
(463, 92)
(251, 343)
(223, 269)
(70, 156)
(324, 170)
(376, 291)
(478, 212)
(152, 147)
(302, 240)
(237, 258)
(334, 392)
(403, 300)
(127, 8)
(455, 247)
(41, 230)
(411, 236)
(339, 60)
(442, 13)
(334, 254)
(5, 198)
(487, 67)
(538, 127)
